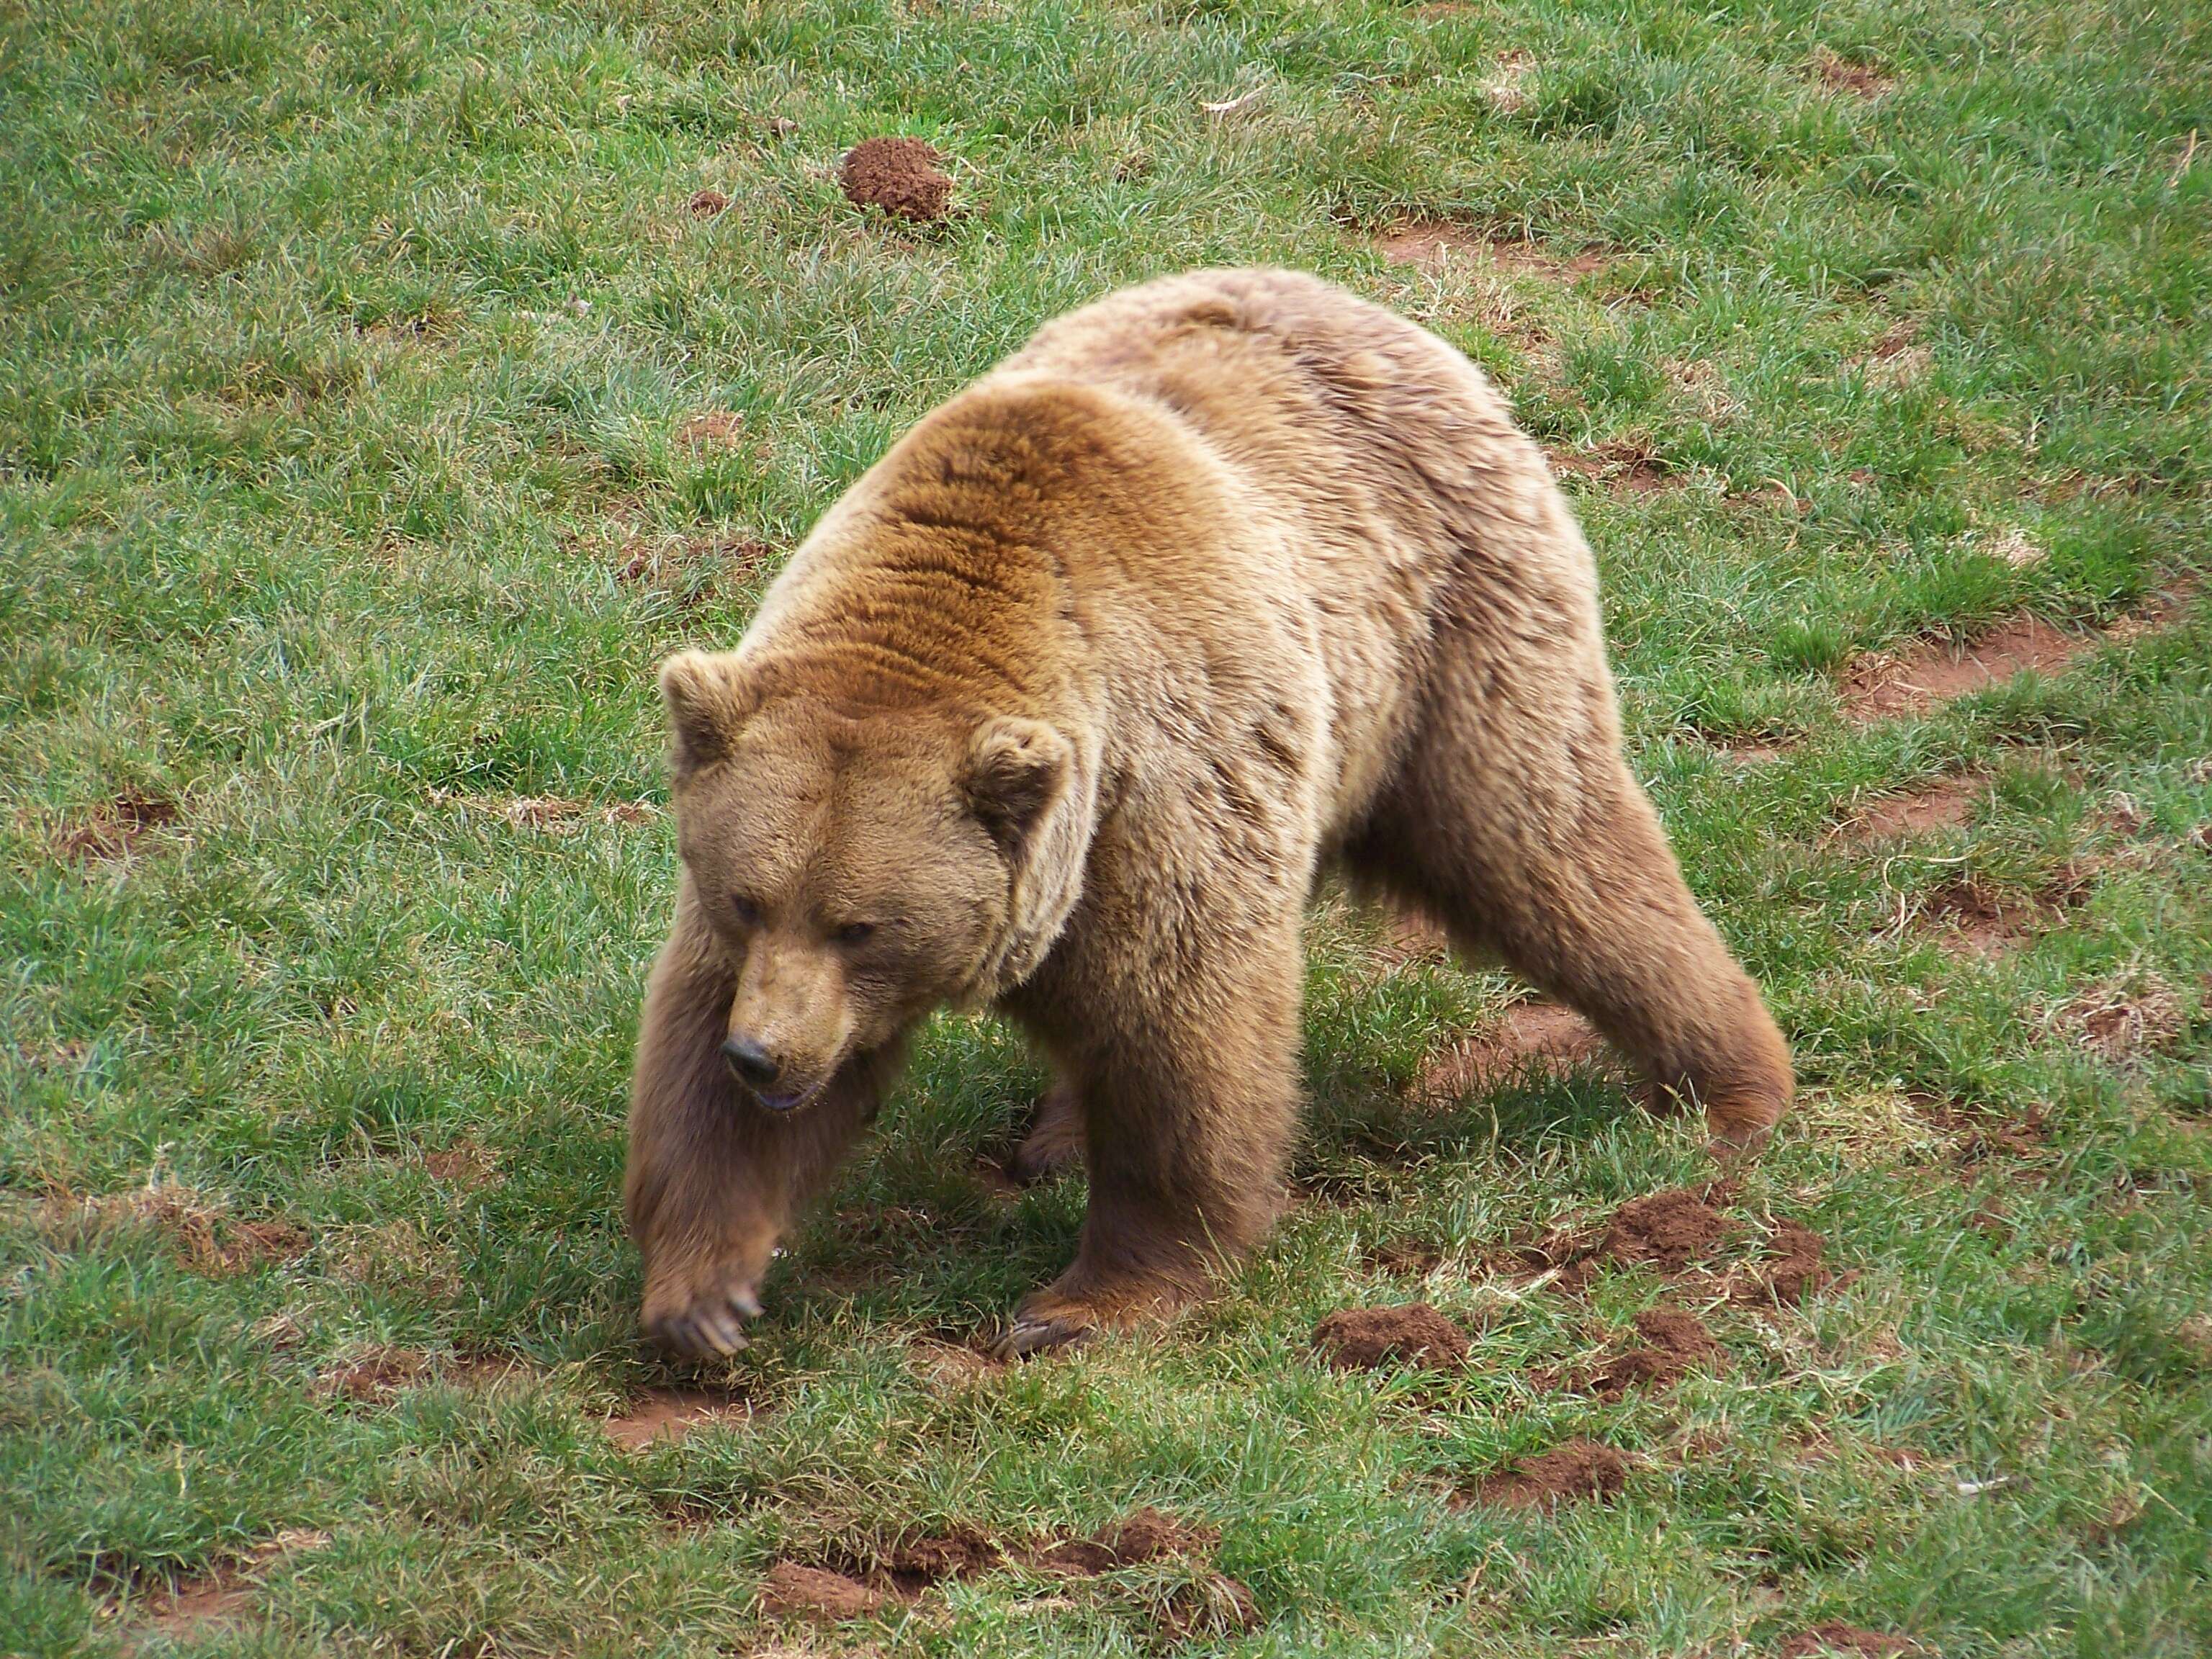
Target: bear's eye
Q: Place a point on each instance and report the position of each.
(744, 911)
(853, 932)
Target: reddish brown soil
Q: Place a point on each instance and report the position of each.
(1669, 1229)
(1619, 464)
(1981, 919)
(792, 1591)
(674, 565)
(1794, 1270)
(372, 1374)
(706, 204)
(712, 430)
(1215, 1606)
(1370, 1338)
(662, 1416)
(464, 1165)
(189, 1611)
(1430, 244)
(1574, 1470)
(1677, 1343)
(953, 1364)
(1413, 1257)
(2120, 1018)
(1943, 803)
(114, 830)
(1888, 685)
(202, 1235)
(959, 1552)
(1841, 74)
(1138, 1539)
(1837, 1636)
(901, 176)
(1531, 1038)
(1977, 1138)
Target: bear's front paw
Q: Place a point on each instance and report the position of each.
(704, 1322)
(1029, 1336)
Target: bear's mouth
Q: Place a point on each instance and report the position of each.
(787, 1100)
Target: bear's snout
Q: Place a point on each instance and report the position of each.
(755, 1067)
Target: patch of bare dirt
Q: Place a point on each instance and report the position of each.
(1675, 1343)
(1573, 1471)
(114, 830)
(1621, 464)
(1981, 919)
(1885, 685)
(372, 1374)
(904, 177)
(1977, 1137)
(665, 1416)
(463, 1164)
(1890, 685)
(1836, 1637)
(2124, 1016)
(952, 1364)
(957, 1552)
(707, 204)
(696, 567)
(556, 814)
(1371, 1339)
(712, 430)
(1413, 1256)
(794, 1591)
(1945, 802)
(1841, 74)
(1433, 243)
(192, 1607)
(1210, 1605)
(201, 1233)
(1530, 1038)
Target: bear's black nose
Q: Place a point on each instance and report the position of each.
(751, 1062)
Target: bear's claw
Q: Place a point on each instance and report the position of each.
(1025, 1337)
(708, 1329)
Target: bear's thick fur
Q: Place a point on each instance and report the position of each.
(1062, 709)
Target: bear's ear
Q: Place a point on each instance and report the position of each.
(707, 704)
(1017, 768)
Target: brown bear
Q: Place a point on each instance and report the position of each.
(1217, 584)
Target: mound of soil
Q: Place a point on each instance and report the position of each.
(1794, 1270)
(1576, 1469)
(1370, 1338)
(792, 1591)
(1677, 1343)
(1139, 1538)
(706, 204)
(1837, 1636)
(111, 831)
(1669, 1229)
(901, 176)
(957, 1552)
(1214, 1605)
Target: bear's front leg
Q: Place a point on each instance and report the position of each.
(714, 1178)
(1187, 1078)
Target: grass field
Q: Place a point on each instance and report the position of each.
(376, 407)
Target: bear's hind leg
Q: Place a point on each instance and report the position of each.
(1532, 840)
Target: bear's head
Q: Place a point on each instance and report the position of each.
(862, 867)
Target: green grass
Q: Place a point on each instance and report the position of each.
(315, 490)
